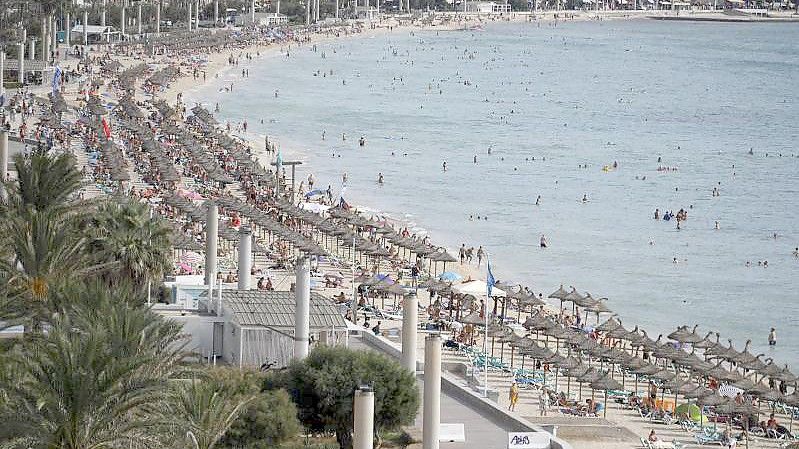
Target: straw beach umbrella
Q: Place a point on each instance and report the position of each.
(606, 383)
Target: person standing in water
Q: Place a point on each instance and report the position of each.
(538, 201)
(444, 165)
(543, 241)
(772, 337)
(380, 178)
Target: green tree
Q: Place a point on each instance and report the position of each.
(202, 411)
(268, 421)
(92, 380)
(323, 387)
(133, 246)
(44, 182)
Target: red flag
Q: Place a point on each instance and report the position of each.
(106, 129)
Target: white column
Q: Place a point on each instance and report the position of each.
(189, 6)
(68, 34)
(197, 15)
(216, 12)
(3, 155)
(138, 19)
(102, 13)
(2, 83)
(122, 20)
(252, 11)
(337, 9)
(431, 419)
(158, 18)
(277, 10)
(363, 415)
(410, 321)
(211, 242)
(245, 258)
(85, 30)
(21, 63)
(53, 35)
(45, 40)
(32, 49)
(317, 10)
(307, 17)
(302, 311)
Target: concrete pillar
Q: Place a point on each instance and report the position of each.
(68, 32)
(317, 10)
(122, 20)
(211, 242)
(190, 16)
(216, 12)
(245, 258)
(410, 321)
(363, 415)
(32, 49)
(54, 35)
(138, 18)
(337, 9)
(302, 312)
(197, 15)
(431, 419)
(21, 63)
(102, 13)
(3, 154)
(2, 74)
(85, 30)
(307, 16)
(277, 10)
(45, 40)
(158, 18)
(24, 35)
(252, 12)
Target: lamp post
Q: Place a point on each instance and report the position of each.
(293, 165)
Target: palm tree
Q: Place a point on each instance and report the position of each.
(37, 229)
(124, 234)
(89, 382)
(44, 182)
(202, 412)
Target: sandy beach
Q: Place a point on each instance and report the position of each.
(623, 425)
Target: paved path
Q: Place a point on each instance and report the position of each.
(481, 432)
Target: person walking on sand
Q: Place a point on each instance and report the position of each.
(480, 254)
(772, 337)
(462, 253)
(513, 396)
(543, 402)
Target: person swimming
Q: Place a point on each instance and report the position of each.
(585, 198)
(538, 201)
(444, 165)
(380, 178)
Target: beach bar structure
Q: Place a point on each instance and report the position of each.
(96, 34)
(257, 326)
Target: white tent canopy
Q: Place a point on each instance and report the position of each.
(477, 288)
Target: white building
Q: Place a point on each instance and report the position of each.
(271, 19)
(488, 7)
(251, 327)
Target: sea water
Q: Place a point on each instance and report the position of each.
(548, 100)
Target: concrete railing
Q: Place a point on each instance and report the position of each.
(484, 406)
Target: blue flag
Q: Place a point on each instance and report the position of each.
(490, 278)
(56, 79)
(278, 162)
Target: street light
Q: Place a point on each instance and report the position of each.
(293, 165)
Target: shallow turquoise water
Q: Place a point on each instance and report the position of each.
(698, 95)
